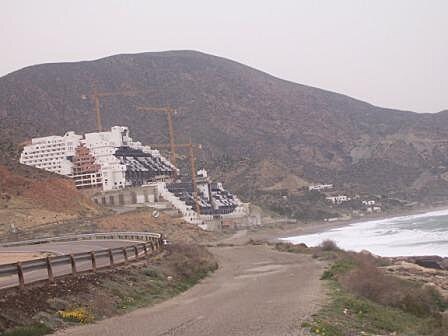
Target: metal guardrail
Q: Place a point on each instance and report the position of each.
(88, 261)
(89, 236)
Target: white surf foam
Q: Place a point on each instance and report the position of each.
(421, 234)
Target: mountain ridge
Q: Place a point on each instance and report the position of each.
(243, 117)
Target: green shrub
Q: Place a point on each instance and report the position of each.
(339, 267)
(329, 245)
(366, 300)
(368, 281)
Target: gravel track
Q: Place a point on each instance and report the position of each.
(256, 291)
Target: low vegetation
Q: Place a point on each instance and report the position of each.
(365, 300)
(89, 297)
(38, 329)
(305, 206)
(79, 315)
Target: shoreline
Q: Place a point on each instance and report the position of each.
(320, 226)
(273, 234)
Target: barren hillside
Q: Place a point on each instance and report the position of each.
(258, 131)
(29, 197)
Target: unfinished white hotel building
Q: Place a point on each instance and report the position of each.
(111, 160)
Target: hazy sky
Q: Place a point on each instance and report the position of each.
(392, 53)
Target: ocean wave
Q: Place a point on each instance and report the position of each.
(420, 234)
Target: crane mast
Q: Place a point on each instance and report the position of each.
(169, 115)
(95, 95)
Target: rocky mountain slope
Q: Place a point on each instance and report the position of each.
(258, 132)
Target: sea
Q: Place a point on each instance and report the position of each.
(412, 235)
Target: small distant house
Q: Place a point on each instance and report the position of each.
(320, 187)
(338, 199)
(373, 209)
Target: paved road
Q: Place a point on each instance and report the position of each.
(63, 248)
(256, 291)
(68, 247)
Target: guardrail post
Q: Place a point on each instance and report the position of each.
(73, 263)
(111, 257)
(49, 270)
(147, 254)
(93, 258)
(151, 242)
(125, 254)
(20, 275)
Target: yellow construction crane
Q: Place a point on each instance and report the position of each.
(95, 96)
(191, 148)
(169, 115)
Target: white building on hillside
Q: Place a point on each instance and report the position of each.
(339, 199)
(103, 146)
(319, 187)
(51, 153)
(110, 159)
(373, 209)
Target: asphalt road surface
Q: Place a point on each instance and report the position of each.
(69, 247)
(256, 291)
(62, 248)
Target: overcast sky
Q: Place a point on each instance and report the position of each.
(392, 53)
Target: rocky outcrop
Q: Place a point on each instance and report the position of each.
(432, 276)
(434, 262)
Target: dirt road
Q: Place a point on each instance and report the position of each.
(256, 291)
